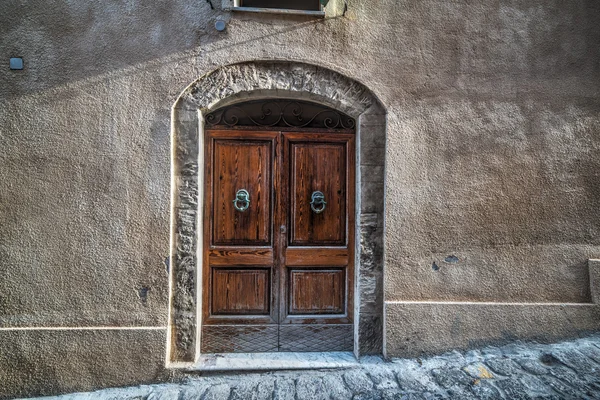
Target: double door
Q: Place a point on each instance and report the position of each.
(278, 248)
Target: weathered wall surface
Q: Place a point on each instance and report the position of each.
(491, 170)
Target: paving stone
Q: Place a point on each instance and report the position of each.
(244, 390)
(416, 380)
(450, 377)
(166, 394)
(485, 390)
(358, 381)
(310, 388)
(503, 366)
(512, 389)
(384, 378)
(533, 385)
(194, 391)
(413, 396)
(446, 360)
(373, 395)
(392, 394)
(285, 389)
(461, 394)
(576, 360)
(217, 392)
(434, 396)
(473, 356)
(570, 378)
(532, 365)
(264, 390)
(336, 387)
(592, 380)
(562, 388)
(478, 371)
(590, 351)
(491, 351)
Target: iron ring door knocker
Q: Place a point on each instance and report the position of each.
(242, 200)
(318, 202)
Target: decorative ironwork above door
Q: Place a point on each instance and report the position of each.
(280, 113)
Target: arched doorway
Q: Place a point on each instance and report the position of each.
(361, 309)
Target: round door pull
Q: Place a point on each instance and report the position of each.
(318, 202)
(242, 200)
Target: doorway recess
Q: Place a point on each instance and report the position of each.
(308, 113)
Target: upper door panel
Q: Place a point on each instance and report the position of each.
(242, 198)
(318, 204)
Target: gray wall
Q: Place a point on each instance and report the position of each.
(492, 157)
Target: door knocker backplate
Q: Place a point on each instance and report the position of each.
(242, 200)
(318, 202)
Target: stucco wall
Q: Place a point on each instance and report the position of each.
(492, 158)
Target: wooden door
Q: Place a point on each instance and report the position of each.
(278, 242)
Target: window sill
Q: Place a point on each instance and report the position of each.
(320, 14)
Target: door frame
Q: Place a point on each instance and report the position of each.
(245, 81)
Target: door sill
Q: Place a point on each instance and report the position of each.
(273, 361)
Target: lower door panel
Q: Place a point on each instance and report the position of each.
(271, 338)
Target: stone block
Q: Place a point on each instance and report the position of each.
(370, 135)
(371, 204)
(310, 388)
(358, 381)
(373, 118)
(372, 173)
(504, 366)
(369, 220)
(370, 333)
(370, 155)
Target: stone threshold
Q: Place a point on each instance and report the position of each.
(273, 361)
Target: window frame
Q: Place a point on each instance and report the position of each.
(238, 7)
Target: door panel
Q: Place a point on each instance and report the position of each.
(242, 165)
(318, 167)
(240, 338)
(277, 276)
(241, 257)
(315, 338)
(317, 291)
(316, 256)
(240, 291)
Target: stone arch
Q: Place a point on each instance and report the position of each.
(255, 80)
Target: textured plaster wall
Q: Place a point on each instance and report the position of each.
(492, 153)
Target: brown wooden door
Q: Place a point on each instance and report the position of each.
(278, 245)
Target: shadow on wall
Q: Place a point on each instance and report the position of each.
(75, 41)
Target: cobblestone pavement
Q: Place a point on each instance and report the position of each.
(568, 370)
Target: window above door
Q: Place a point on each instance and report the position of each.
(307, 5)
(302, 7)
